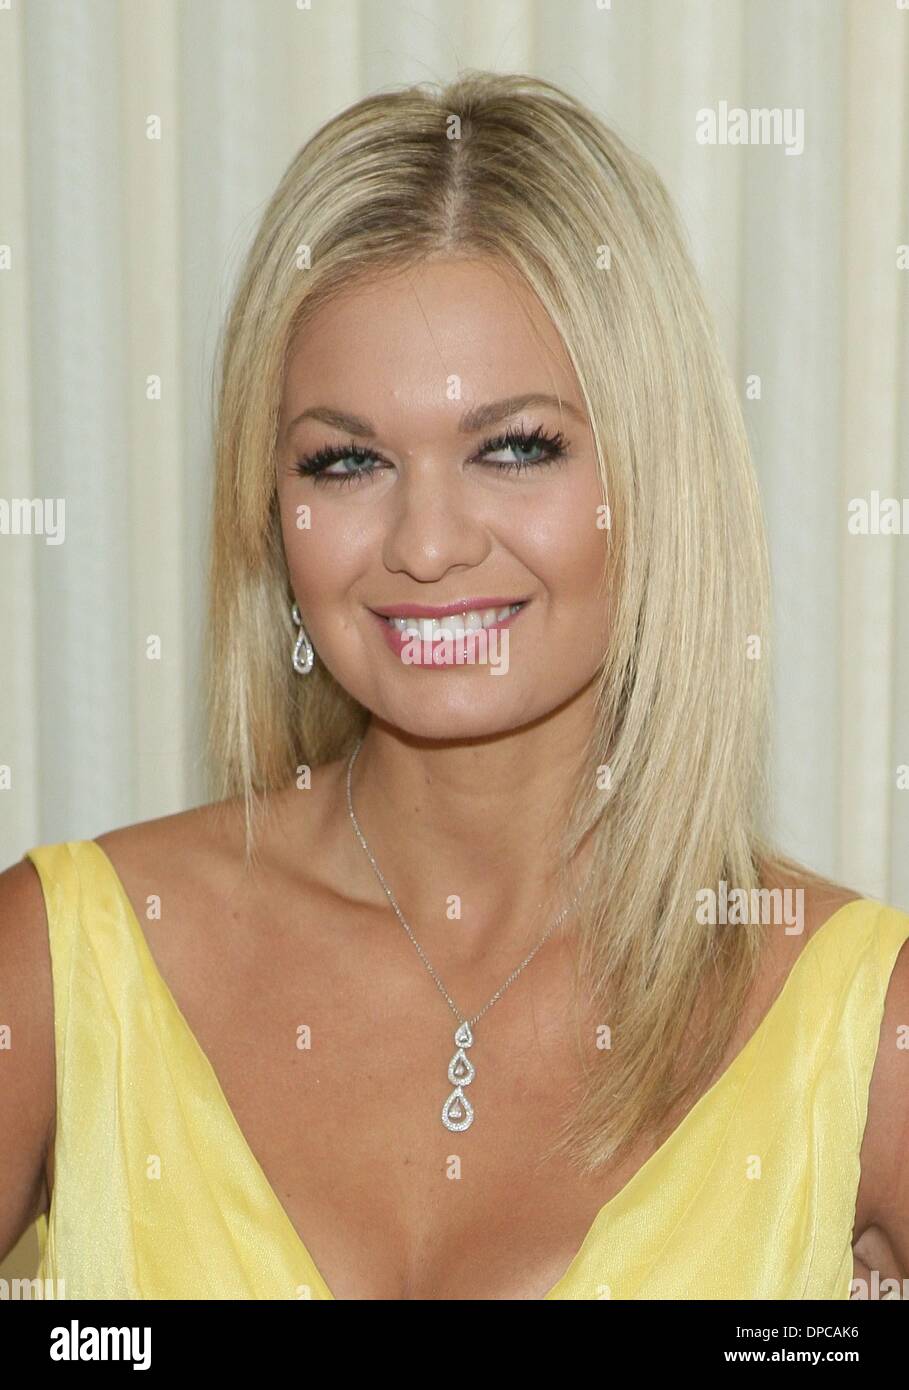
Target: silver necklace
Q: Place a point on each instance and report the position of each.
(457, 1112)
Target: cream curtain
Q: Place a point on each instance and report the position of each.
(119, 252)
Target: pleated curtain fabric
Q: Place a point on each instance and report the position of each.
(138, 144)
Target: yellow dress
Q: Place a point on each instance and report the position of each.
(157, 1194)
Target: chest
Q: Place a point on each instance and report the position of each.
(330, 1059)
(336, 1075)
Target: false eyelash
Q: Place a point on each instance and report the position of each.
(314, 465)
(554, 445)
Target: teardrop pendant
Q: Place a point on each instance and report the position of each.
(457, 1112)
(461, 1070)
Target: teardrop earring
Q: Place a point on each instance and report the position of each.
(303, 656)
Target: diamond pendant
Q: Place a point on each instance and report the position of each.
(457, 1112)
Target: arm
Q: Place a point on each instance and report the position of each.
(882, 1209)
(27, 1066)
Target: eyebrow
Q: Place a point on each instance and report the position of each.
(479, 417)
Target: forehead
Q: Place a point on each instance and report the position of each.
(404, 335)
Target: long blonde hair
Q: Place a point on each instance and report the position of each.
(671, 792)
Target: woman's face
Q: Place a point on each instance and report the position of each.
(410, 383)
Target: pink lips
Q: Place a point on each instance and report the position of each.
(443, 610)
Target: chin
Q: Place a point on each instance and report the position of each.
(467, 718)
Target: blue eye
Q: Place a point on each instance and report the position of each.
(520, 442)
(316, 465)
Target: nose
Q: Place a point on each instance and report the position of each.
(434, 523)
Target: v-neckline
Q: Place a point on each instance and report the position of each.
(605, 1211)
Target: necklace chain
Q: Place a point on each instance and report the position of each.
(399, 914)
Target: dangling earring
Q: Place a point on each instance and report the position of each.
(303, 653)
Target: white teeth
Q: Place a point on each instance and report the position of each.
(453, 624)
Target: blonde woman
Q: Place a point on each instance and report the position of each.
(477, 979)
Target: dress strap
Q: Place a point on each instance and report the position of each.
(57, 869)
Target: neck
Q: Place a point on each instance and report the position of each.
(471, 827)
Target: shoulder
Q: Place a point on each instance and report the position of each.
(194, 861)
(882, 1201)
(206, 847)
(180, 847)
(192, 868)
(822, 904)
(816, 900)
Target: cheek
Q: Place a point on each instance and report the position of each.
(566, 544)
(560, 541)
(324, 547)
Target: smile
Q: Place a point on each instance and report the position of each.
(456, 623)
(453, 624)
